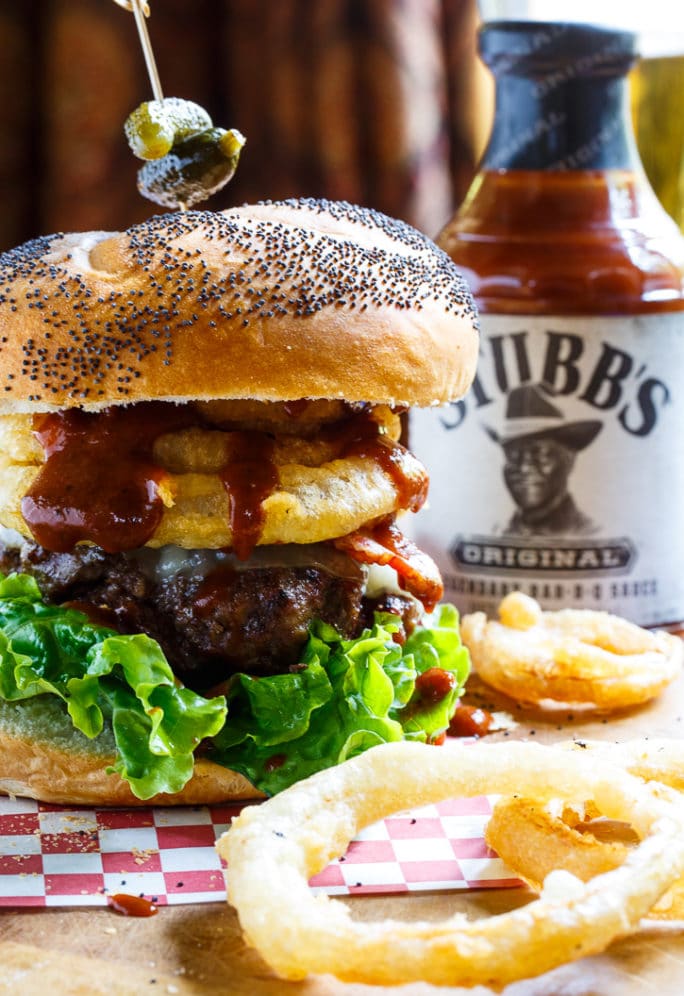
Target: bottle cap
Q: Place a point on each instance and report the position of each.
(537, 48)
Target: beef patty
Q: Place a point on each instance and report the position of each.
(217, 620)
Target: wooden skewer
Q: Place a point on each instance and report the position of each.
(141, 10)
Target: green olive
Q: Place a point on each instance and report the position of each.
(193, 170)
(157, 125)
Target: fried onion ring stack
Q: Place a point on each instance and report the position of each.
(321, 494)
(272, 850)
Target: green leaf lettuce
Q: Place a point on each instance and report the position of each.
(104, 677)
(351, 695)
(344, 697)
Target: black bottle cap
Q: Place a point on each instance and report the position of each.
(537, 48)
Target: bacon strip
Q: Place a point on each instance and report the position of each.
(386, 544)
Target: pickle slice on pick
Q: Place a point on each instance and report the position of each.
(154, 127)
(193, 170)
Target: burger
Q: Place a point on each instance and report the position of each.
(205, 590)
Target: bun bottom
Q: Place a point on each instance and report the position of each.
(42, 757)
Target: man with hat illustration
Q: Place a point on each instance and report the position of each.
(540, 449)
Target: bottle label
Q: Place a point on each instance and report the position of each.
(561, 473)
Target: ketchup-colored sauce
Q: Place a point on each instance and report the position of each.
(99, 481)
(211, 592)
(249, 478)
(470, 721)
(434, 684)
(275, 762)
(566, 243)
(360, 436)
(131, 905)
(417, 572)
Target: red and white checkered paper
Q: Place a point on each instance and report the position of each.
(65, 856)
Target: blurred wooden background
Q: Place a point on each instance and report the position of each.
(381, 102)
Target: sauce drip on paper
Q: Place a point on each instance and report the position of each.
(470, 721)
(131, 905)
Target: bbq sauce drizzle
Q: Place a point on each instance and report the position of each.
(360, 436)
(100, 483)
(248, 479)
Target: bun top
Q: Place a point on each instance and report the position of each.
(274, 302)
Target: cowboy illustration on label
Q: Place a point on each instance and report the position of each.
(561, 473)
(540, 450)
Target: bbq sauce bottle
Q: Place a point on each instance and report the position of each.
(562, 471)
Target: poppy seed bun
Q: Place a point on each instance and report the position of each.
(273, 302)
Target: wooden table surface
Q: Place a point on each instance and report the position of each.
(198, 949)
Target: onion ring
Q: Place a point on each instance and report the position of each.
(274, 848)
(573, 656)
(533, 841)
(655, 759)
(321, 495)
